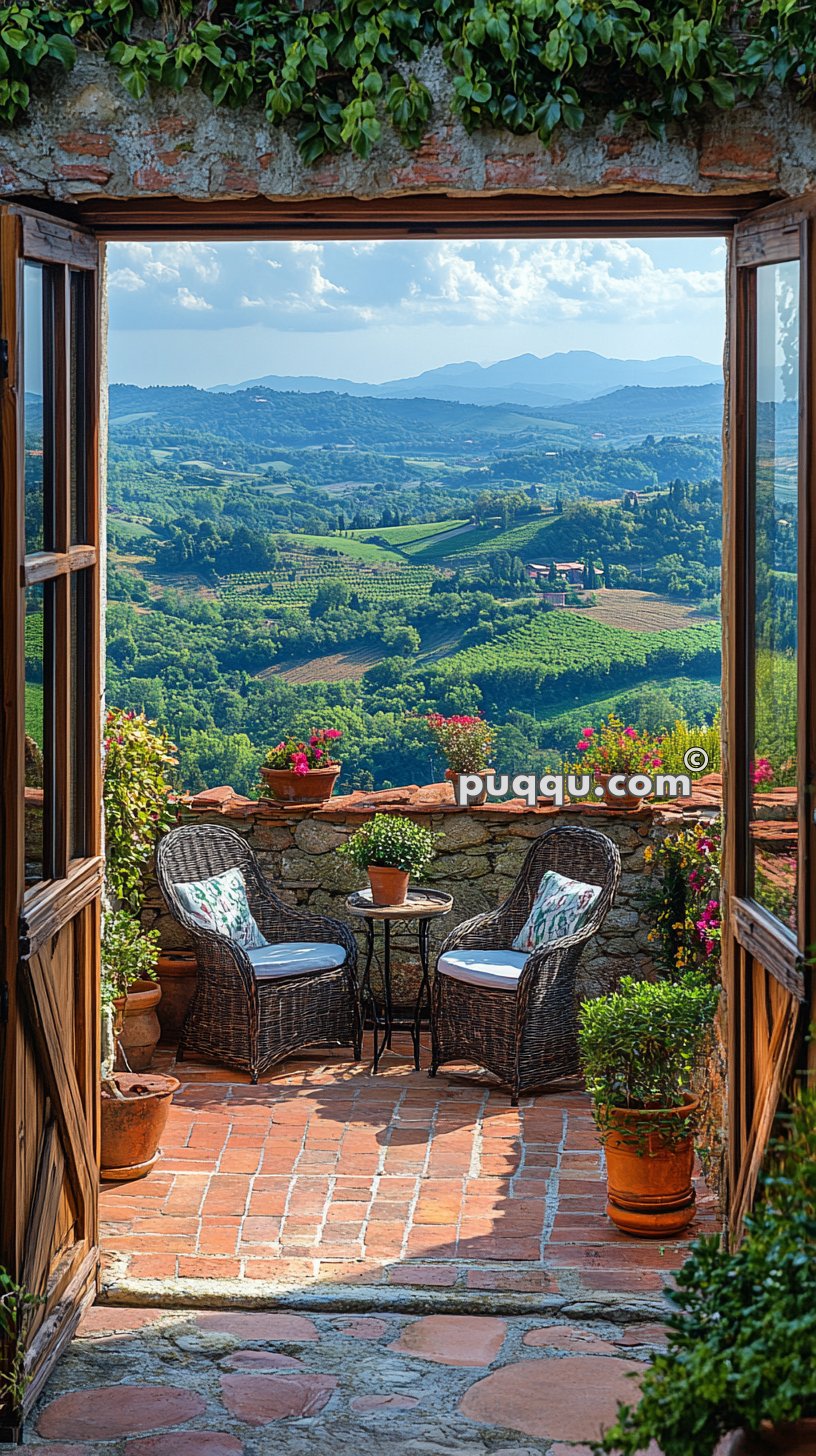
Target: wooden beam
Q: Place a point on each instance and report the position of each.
(414, 215)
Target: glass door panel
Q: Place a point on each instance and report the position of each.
(774, 531)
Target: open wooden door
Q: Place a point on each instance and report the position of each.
(50, 811)
(769, 611)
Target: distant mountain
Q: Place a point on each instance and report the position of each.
(526, 380)
(635, 411)
(263, 421)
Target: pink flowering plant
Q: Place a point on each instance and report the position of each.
(685, 900)
(617, 747)
(300, 755)
(466, 741)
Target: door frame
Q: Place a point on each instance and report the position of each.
(41, 225)
(49, 1047)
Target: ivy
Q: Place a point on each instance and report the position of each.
(335, 73)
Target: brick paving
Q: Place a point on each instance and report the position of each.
(325, 1175)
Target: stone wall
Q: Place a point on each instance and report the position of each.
(88, 138)
(480, 855)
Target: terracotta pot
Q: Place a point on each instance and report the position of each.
(177, 972)
(313, 787)
(388, 885)
(617, 801)
(786, 1438)
(131, 1129)
(649, 1184)
(140, 1024)
(453, 778)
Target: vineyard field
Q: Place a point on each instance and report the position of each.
(392, 584)
(564, 652)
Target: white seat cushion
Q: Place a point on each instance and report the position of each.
(294, 958)
(497, 969)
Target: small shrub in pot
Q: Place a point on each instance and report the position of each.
(638, 1047)
(396, 845)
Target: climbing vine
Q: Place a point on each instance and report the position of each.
(336, 72)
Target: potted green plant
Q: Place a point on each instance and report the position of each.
(136, 795)
(391, 848)
(638, 1047)
(467, 743)
(302, 770)
(134, 1104)
(616, 748)
(129, 961)
(742, 1343)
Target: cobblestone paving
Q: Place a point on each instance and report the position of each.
(326, 1178)
(177, 1383)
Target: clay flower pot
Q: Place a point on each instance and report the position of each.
(617, 801)
(649, 1168)
(132, 1128)
(313, 787)
(786, 1438)
(453, 778)
(389, 886)
(140, 1024)
(178, 973)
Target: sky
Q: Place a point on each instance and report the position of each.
(219, 313)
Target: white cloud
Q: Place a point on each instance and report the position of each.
(186, 299)
(126, 279)
(319, 287)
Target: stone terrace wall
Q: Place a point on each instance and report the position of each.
(480, 856)
(89, 138)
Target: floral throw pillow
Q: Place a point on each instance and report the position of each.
(559, 908)
(221, 904)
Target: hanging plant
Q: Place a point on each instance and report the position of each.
(335, 73)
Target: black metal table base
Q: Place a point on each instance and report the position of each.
(381, 1013)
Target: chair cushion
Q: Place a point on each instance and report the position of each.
(560, 908)
(294, 958)
(499, 970)
(221, 904)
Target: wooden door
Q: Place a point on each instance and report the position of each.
(769, 614)
(50, 741)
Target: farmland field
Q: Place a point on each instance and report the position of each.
(407, 535)
(640, 611)
(345, 545)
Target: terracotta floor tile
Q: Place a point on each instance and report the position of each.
(323, 1172)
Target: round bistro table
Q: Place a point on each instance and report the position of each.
(419, 908)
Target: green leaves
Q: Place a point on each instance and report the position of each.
(742, 1344)
(392, 841)
(638, 1045)
(521, 65)
(136, 799)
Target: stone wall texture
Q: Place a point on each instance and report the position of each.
(87, 138)
(479, 857)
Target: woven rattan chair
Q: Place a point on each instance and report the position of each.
(523, 1029)
(240, 1017)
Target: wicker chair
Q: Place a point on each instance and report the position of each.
(238, 1017)
(525, 1032)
